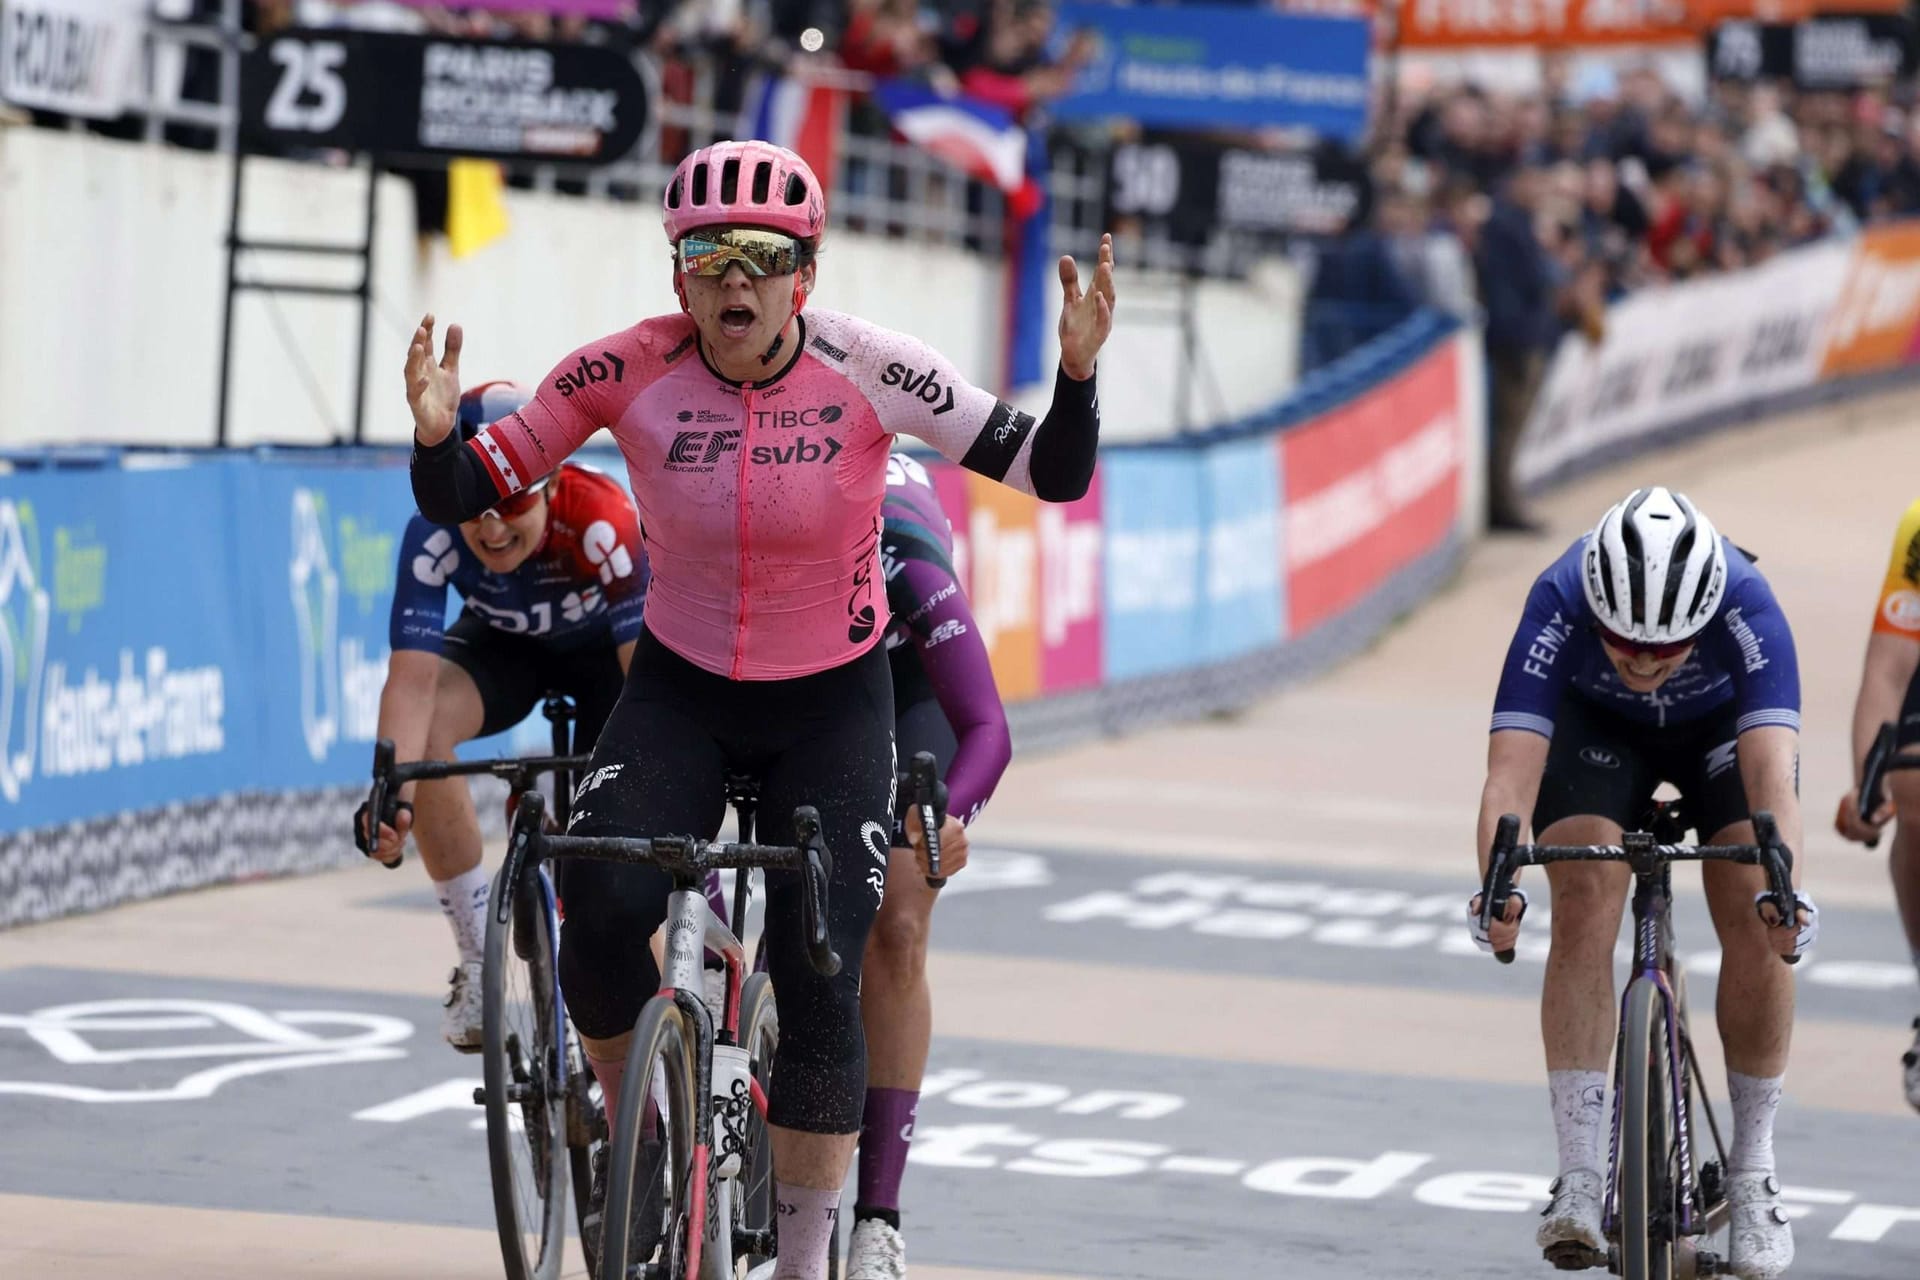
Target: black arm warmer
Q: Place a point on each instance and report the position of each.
(1066, 442)
(450, 482)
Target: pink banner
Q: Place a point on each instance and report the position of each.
(1070, 593)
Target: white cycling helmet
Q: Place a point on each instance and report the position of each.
(1654, 568)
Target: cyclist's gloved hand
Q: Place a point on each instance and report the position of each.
(386, 846)
(1503, 933)
(1804, 936)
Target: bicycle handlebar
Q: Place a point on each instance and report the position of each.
(930, 795)
(688, 860)
(1637, 847)
(388, 778)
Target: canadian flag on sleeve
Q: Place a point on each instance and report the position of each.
(975, 137)
(806, 117)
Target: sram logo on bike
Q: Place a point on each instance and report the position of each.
(589, 371)
(700, 450)
(801, 451)
(922, 385)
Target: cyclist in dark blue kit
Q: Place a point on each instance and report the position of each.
(552, 581)
(1653, 651)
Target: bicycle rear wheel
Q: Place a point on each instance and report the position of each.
(1647, 1219)
(753, 1209)
(526, 1079)
(650, 1191)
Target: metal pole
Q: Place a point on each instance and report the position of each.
(366, 302)
(1183, 386)
(233, 254)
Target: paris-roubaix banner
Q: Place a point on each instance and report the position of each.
(77, 57)
(428, 96)
(1220, 66)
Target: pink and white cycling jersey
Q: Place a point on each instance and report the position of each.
(760, 504)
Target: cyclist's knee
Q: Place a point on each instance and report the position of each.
(606, 965)
(897, 943)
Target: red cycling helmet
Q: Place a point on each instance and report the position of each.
(749, 184)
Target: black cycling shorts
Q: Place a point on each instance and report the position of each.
(660, 769)
(1608, 766)
(514, 673)
(920, 727)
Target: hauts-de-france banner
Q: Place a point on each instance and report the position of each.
(1214, 66)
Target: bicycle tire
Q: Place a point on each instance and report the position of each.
(1646, 1140)
(659, 1065)
(524, 1074)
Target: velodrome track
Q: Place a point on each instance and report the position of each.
(1205, 1004)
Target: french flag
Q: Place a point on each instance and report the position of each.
(975, 137)
(806, 117)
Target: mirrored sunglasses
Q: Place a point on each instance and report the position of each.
(513, 506)
(760, 253)
(1638, 649)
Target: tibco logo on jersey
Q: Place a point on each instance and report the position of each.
(589, 371)
(923, 386)
(787, 419)
(699, 451)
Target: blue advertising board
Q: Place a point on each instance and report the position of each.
(1215, 66)
(1150, 505)
(1241, 602)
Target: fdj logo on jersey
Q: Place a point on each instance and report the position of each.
(700, 450)
(589, 371)
(923, 385)
(340, 681)
(801, 451)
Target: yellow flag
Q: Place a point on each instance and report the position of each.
(476, 215)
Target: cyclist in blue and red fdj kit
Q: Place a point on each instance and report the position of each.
(945, 702)
(1653, 651)
(552, 580)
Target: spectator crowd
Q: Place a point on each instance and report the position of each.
(1535, 211)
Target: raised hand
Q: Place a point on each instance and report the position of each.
(433, 389)
(1085, 318)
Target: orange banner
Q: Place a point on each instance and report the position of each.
(1003, 550)
(1875, 323)
(1460, 24)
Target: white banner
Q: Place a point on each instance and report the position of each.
(1677, 353)
(81, 57)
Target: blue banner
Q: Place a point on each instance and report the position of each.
(180, 632)
(1211, 66)
(1150, 505)
(1241, 605)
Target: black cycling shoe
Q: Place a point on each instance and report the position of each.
(643, 1232)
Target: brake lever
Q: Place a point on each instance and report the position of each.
(930, 797)
(816, 878)
(1495, 892)
(377, 801)
(1778, 860)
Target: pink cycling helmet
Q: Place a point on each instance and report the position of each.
(750, 184)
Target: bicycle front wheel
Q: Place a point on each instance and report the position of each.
(650, 1191)
(1646, 1218)
(525, 1076)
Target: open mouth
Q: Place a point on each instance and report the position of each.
(736, 322)
(502, 546)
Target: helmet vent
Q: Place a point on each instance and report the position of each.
(699, 185)
(762, 180)
(729, 180)
(796, 189)
(673, 194)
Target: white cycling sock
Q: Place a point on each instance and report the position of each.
(807, 1220)
(1755, 1099)
(1579, 1117)
(463, 900)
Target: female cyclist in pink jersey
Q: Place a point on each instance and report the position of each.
(756, 436)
